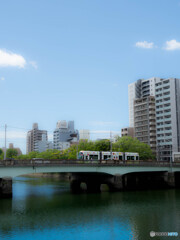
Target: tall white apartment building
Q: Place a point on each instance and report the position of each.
(167, 117)
(167, 113)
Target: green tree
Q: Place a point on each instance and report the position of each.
(102, 145)
(129, 144)
(1, 151)
(11, 153)
(1, 154)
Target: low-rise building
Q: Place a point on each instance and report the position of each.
(127, 131)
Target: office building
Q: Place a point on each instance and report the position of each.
(64, 135)
(43, 144)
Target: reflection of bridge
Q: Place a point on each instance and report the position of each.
(117, 175)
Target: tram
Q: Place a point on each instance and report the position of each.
(98, 155)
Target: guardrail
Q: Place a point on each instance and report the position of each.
(46, 162)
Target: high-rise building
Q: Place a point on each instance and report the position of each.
(64, 135)
(167, 117)
(145, 121)
(163, 117)
(139, 89)
(33, 136)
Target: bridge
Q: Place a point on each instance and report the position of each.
(117, 175)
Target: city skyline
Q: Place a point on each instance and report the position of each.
(76, 59)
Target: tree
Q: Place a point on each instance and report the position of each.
(129, 144)
(11, 153)
(1, 151)
(102, 145)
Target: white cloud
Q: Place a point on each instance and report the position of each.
(2, 78)
(9, 59)
(172, 45)
(145, 44)
(33, 64)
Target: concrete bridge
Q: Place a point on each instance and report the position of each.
(117, 175)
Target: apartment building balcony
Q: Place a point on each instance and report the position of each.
(166, 92)
(159, 97)
(152, 117)
(142, 130)
(159, 120)
(166, 101)
(139, 113)
(159, 104)
(140, 119)
(152, 128)
(141, 124)
(166, 84)
(153, 145)
(152, 134)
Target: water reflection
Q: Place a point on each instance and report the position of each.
(45, 209)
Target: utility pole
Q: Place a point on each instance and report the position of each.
(5, 143)
(111, 143)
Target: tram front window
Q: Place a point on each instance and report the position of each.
(80, 156)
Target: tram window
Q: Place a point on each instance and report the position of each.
(120, 157)
(86, 157)
(128, 158)
(93, 157)
(136, 157)
(105, 157)
(132, 157)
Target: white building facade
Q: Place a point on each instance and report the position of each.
(64, 135)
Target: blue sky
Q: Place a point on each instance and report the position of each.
(73, 60)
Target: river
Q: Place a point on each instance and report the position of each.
(44, 208)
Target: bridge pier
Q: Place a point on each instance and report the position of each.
(6, 187)
(93, 187)
(75, 186)
(115, 183)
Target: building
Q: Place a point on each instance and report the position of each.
(127, 131)
(43, 144)
(33, 137)
(163, 117)
(139, 89)
(84, 134)
(145, 121)
(167, 117)
(64, 135)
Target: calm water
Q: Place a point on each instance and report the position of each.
(45, 209)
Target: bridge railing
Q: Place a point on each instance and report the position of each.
(47, 162)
